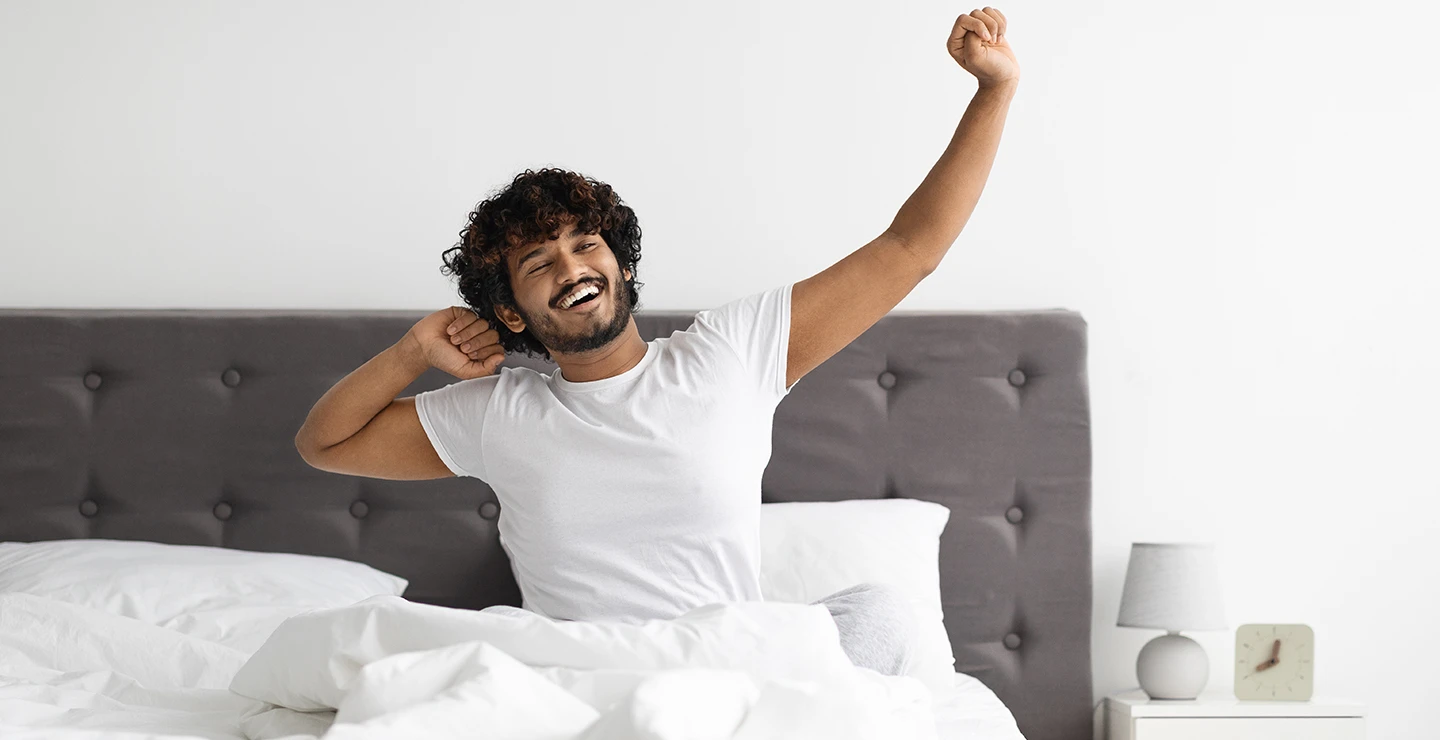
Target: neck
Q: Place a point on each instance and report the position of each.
(606, 362)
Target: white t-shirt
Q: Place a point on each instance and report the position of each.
(636, 496)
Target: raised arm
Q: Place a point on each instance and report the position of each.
(830, 309)
(360, 428)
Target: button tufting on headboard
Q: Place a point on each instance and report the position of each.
(156, 450)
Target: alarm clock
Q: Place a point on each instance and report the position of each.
(1274, 662)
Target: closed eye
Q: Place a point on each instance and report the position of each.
(540, 267)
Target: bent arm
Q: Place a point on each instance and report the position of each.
(359, 427)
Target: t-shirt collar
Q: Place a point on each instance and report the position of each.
(594, 385)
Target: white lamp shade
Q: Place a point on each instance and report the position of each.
(1172, 587)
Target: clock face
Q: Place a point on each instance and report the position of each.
(1274, 662)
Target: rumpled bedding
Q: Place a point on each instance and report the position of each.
(387, 667)
(73, 671)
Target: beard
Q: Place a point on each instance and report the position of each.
(576, 333)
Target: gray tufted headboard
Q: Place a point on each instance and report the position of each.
(178, 426)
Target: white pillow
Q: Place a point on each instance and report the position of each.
(233, 597)
(809, 550)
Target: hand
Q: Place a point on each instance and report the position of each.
(978, 43)
(471, 350)
(1274, 658)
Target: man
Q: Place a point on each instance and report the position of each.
(629, 478)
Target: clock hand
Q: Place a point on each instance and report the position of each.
(1275, 653)
(1264, 666)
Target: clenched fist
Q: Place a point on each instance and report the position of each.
(978, 43)
(457, 341)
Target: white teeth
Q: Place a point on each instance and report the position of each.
(569, 300)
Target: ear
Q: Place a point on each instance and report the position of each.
(626, 273)
(511, 319)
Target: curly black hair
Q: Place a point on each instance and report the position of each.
(532, 209)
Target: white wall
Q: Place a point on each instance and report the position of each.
(1238, 199)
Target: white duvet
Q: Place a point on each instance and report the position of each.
(386, 667)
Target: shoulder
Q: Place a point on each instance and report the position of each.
(745, 311)
(524, 385)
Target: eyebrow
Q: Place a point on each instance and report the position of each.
(536, 251)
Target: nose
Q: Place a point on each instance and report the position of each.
(571, 269)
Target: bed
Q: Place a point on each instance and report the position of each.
(177, 426)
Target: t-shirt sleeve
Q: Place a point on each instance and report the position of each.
(757, 328)
(453, 418)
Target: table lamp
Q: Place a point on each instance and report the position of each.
(1172, 587)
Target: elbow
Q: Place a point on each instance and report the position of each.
(923, 264)
(307, 449)
(304, 453)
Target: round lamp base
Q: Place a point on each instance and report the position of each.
(1172, 666)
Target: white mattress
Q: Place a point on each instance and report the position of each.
(973, 712)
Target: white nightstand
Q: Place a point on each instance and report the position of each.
(1135, 716)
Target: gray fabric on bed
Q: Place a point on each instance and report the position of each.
(876, 626)
(178, 426)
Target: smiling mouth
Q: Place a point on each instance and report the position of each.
(581, 304)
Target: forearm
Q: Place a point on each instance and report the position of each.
(931, 219)
(348, 406)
